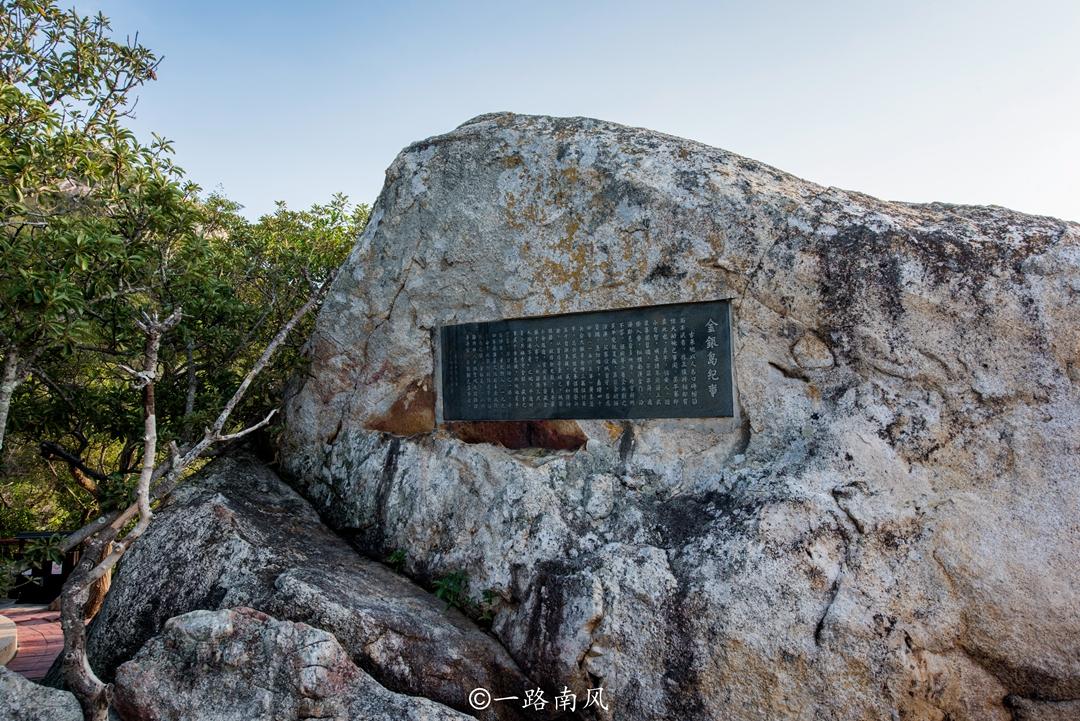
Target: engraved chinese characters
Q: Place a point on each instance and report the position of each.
(667, 361)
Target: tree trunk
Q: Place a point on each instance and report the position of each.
(103, 550)
(99, 589)
(8, 383)
(80, 678)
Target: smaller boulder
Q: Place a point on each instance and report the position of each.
(245, 665)
(24, 700)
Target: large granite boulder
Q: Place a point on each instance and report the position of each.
(235, 535)
(889, 529)
(23, 700)
(242, 665)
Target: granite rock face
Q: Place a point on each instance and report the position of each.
(243, 665)
(890, 528)
(235, 535)
(23, 700)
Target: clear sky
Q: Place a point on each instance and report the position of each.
(953, 100)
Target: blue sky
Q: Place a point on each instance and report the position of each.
(971, 102)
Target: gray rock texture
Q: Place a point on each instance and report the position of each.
(242, 665)
(236, 535)
(23, 700)
(890, 529)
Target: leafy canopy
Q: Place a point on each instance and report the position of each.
(99, 228)
(80, 197)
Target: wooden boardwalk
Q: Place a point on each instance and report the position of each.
(40, 639)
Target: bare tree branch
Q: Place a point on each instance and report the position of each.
(76, 594)
(84, 475)
(250, 429)
(155, 481)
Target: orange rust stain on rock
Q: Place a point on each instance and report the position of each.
(412, 413)
(614, 430)
(511, 219)
(554, 435)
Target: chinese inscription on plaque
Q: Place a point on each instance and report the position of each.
(665, 361)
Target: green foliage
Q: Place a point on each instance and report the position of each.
(116, 492)
(238, 282)
(31, 498)
(38, 554)
(10, 577)
(81, 199)
(396, 560)
(486, 608)
(99, 228)
(44, 550)
(453, 588)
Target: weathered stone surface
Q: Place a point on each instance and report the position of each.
(235, 535)
(23, 700)
(890, 530)
(242, 665)
(811, 353)
(1034, 710)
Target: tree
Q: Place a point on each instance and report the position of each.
(238, 282)
(113, 272)
(105, 538)
(201, 372)
(99, 229)
(66, 162)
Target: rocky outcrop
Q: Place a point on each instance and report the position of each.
(235, 535)
(23, 700)
(887, 530)
(244, 665)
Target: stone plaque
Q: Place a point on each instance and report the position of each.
(663, 361)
